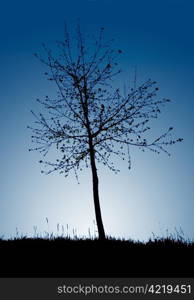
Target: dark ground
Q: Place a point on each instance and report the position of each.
(62, 257)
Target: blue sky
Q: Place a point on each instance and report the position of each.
(157, 193)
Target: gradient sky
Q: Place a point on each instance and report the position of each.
(157, 193)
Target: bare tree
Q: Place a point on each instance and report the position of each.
(90, 120)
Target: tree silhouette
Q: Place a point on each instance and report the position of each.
(90, 120)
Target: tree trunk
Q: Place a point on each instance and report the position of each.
(96, 195)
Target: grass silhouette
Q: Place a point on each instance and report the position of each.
(63, 256)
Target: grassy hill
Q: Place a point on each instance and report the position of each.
(65, 257)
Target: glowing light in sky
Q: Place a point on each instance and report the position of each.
(157, 193)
